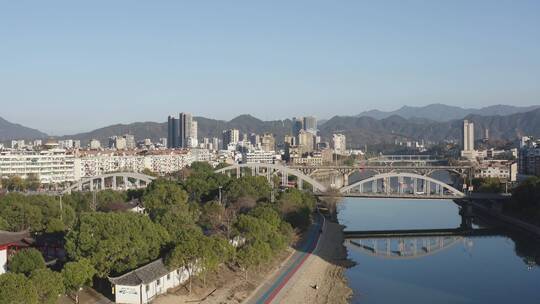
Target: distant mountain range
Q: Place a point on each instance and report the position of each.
(441, 112)
(9, 130)
(427, 123)
(368, 130)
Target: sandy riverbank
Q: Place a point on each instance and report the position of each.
(324, 268)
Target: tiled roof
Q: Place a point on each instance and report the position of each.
(21, 237)
(142, 275)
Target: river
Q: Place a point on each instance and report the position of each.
(455, 269)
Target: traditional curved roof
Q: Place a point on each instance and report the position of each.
(20, 238)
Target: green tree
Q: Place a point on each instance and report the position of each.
(77, 275)
(215, 251)
(13, 183)
(32, 182)
(297, 207)
(248, 186)
(202, 183)
(488, 185)
(49, 285)
(161, 195)
(15, 288)
(115, 242)
(177, 219)
(212, 215)
(26, 260)
(252, 255)
(189, 249)
(4, 225)
(55, 225)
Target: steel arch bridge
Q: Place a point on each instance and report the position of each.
(128, 180)
(408, 185)
(269, 170)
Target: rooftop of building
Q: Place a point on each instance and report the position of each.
(20, 239)
(142, 275)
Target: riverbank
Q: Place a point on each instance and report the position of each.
(324, 269)
(327, 265)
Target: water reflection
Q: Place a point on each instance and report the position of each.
(452, 265)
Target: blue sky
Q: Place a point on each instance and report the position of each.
(69, 66)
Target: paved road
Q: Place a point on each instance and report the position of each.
(268, 291)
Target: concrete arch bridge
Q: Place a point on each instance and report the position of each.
(385, 182)
(113, 181)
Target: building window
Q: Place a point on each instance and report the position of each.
(168, 276)
(147, 288)
(158, 282)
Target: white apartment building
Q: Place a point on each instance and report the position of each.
(51, 166)
(502, 169)
(96, 164)
(468, 140)
(258, 156)
(340, 144)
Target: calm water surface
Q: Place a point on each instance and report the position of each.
(456, 270)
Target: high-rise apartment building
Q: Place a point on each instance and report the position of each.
(340, 145)
(186, 124)
(468, 140)
(297, 126)
(130, 141)
(268, 142)
(173, 132)
(182, 131)
(310, 124)
(231, 136)
(305, 141)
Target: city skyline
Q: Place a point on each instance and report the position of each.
(143, 60)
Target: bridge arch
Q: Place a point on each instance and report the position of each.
(400, 175)
(98, 182)
(273, 169)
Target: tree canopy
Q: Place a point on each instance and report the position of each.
(49, 285)
(115, 242)
(26, 260)
(15, 288)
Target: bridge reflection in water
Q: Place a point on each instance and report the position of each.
(403, 244)
(415, 243)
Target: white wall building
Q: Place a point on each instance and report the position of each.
(340, 144)
(504, 170)
(468, 140)
(144, 284)
(51, 166)
(92, 165)
(258, 156)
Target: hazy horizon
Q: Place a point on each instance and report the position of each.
(73, 67)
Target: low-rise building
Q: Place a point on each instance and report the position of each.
(501, 169)
(145, 283)
(9, 243)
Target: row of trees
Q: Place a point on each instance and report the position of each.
(526, 200)
(16, 183)
(188, 221)
(30, 282)
(488, 185)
